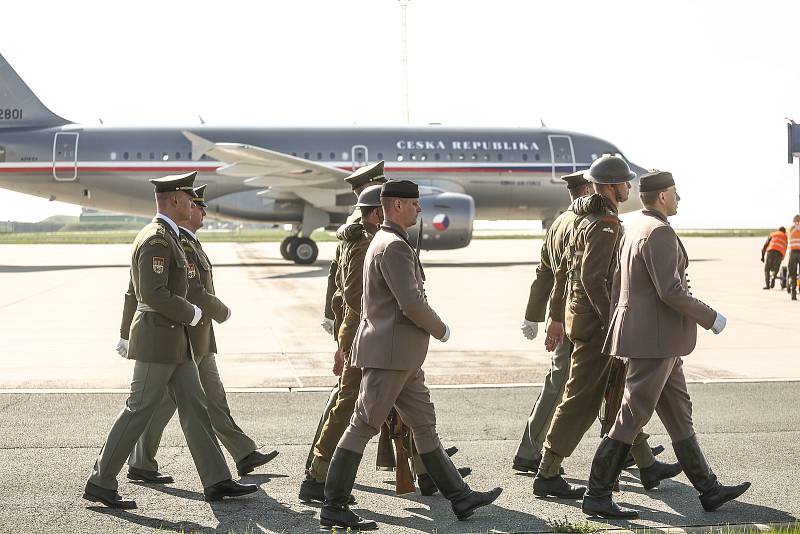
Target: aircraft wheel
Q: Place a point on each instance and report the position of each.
(286, 247)
(304, 251)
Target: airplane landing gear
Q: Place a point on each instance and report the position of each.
(301, 250)
(304, 251)
(286, 245)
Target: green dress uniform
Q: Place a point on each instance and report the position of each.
(204, 349)
(159, 342)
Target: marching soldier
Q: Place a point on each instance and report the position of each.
(774, 250)
(528, 453)
(354, 241)
(794, 256)
(390, 347)
(359, 180)
(580, 302)
(142, 464)
(654, 324)
(159, 343)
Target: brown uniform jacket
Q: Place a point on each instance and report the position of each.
(156, 308)
(350, 280)
(655, 314)
(334, 302)
(555, 240)
(396, 319)
(581, 297)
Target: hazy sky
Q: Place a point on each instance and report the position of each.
(698, 88)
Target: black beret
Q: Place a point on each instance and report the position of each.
(198, 196)
(175, 182)
(655, 180)
(575, 179)
(366, 174)
(400, 189)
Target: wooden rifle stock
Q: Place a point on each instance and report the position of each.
(612, 398)
(404, 478)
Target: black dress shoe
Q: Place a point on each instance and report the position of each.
(313, 491)
(427, 486)
(228, 488)
(253, 460)
(451, 450)
(153, 477)
(343, 517)
(110, 498)
(524, 465)
(557, 487)
(630, 462)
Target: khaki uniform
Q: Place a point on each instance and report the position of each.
(159, 343)
(538, 423)
(204, 349)
(654, 325)
(392, 342)
(334, 310)
(581, 299)
(349, 282)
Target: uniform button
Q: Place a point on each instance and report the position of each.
(172, 326)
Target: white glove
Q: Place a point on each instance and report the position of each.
(446, 335)
(198, 313)
(327, 325)
(122, 347)
(529, 329)
(719, 323)
(228, 316)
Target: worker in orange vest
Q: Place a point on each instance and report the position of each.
(794, 255)
(774, 250)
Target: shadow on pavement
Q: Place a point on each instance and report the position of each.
(435, 513)
(151, 522)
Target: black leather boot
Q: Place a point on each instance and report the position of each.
(694, 464)
(338, 487)
(606, 467)
(463, 500)
(650, 477)
(427, 486)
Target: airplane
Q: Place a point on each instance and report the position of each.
(293, 175)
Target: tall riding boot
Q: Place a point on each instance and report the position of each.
(462, 499)
(712, 493)
(338, 486)
(606, 467)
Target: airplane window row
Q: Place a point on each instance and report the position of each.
(460, 157)
(164, 156)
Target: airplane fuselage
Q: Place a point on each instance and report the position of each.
(510, 173)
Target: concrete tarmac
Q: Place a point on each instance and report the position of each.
(750, 431)
(61, 305)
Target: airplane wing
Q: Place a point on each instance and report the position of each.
(261, 167)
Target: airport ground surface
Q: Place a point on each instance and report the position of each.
(59, 315)
(60, 310)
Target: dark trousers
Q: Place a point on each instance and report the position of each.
(772, 264)
(794, 264)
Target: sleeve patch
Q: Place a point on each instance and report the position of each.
(158, 264)
(157, 241)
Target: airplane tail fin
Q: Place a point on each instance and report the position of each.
(19, 107)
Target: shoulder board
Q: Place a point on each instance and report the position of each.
(157, 241)
(610, 219)
(160, 229)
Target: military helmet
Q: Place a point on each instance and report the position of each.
(609, 169)
(370, 197)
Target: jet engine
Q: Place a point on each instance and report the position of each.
(447, 221)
